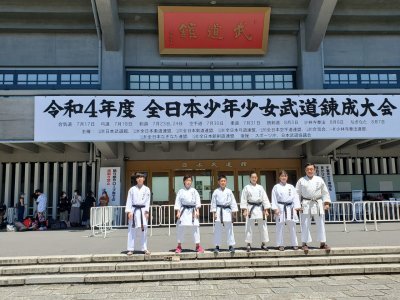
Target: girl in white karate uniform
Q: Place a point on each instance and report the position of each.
(187, 205)
(285, 204)
(255, 204)
(223, 204)
(137, 208)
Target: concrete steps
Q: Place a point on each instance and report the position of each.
(100, 268)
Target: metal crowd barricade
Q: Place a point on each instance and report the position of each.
(378, 211)
(108, 218)
(105, 219)
(340, 212)
(11, 215)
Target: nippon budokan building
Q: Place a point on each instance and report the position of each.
(93, 91)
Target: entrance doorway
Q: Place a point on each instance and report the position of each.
(165, 178)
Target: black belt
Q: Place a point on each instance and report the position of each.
(191, 207)
(314, 200)
(141, 215)
(221, 212)
(285, 206)
(254, 204)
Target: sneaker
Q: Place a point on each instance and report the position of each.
(146, 252)
(231, 249)
(263, 247)
(295, 248)
(216, 250)
(199, 249)
(248, 249)
(129, 253)
(178, 249)
(281, 248)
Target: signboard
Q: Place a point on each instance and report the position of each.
(207, 118)
(110, 181)
(325, 171)
(213, 30)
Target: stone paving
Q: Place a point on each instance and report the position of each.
(332, 287)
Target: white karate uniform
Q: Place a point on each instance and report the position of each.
(313, 193)
(187, 197)
(255, 194)
(223, 203)
(137, 197)
(286, 200)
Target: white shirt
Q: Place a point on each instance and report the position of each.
(254, 194)
(223, 197)
(138, 196)
(42, 203)
(187, 197)
(76, 201)
(285, 193)
(313, 188)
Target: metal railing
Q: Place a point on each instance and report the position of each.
(105, 219)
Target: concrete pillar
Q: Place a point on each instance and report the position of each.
(7, 186)
(27, 187)
(383, 165)
(17, 182)
(84, 179)
(358, 166)
(93, 181)
(74, 176)
(46, 183)
(65, 178)
(392, 165)
(113, 66)
(375, 166)
(341, 166)
(349, 166)
(367, 167)
(310, 66)
(56, 176)
(36, 182)
(398, 165)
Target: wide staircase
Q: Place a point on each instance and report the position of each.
(162, 266)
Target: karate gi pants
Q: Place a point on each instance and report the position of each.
(280, 233)
(230, 237)
(306, 224)
(180, 233)
(132, 232)
(262, 228)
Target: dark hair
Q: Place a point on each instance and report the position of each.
(253, 172)
(38, 191)
(309, 164)
(222, 176)
(282, 172)
(187, 176)
(138, 175)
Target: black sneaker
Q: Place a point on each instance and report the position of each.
(248, 249)
(216, 250)
(263, 247)
(231, 249)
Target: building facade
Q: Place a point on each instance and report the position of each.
(110, 48)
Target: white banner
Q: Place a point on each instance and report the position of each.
(325, 171)
(110, 181)
(186, 118)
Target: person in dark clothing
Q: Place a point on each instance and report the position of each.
(21, 208)
(64, 205)
(88, 203)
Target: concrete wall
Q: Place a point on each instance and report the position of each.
(141, 50)
(16, 118)
(362, 51)
(48, 50)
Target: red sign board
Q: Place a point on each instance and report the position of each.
(213, 30)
